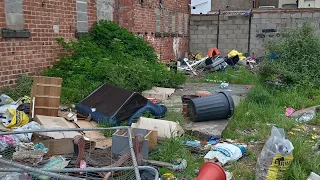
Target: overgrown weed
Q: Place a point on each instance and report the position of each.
(113, 55)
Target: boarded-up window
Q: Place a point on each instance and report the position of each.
(158, 19)
(166, 21)
(105, 9)
(14, 14)
(82, 16)
(186, 23)
(180, 26)
(173, 28)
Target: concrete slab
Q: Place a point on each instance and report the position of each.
(159, 93)
(305, 114)
(204, 130)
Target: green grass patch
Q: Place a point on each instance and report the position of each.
(263, 108)
(174, 116)
(173, 149)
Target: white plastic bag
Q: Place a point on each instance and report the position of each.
(30, 126)
(4, 108)
(225, 153)
(5, 99)
(276, 156)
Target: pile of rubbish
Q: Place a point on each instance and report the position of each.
(275, 157)
(214, 61)
(40, 139)
(37, 133)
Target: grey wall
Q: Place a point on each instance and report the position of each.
(269, 3)
(234, 30)
(229, 5)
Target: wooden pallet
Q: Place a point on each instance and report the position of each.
(46, 95)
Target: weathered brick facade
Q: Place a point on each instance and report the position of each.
(40, 50)
(166, 28)
(47, 20)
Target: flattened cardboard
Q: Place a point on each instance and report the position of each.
(56, 122)
(96, 136)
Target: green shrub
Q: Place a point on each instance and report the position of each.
(104, 33)
(110, 55)
(298, 59)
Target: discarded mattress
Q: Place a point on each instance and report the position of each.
(112, 103)
(158, 111)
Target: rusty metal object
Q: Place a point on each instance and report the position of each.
(79, 149)
(137, 146)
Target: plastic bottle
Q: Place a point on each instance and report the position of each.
(193, 143)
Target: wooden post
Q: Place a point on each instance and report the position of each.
(137, 146)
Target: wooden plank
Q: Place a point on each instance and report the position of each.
(44, 107)
(137, 146)
(53, 97)
(153, 140)
(49, 85)
(46, 91)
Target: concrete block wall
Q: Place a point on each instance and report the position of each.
(233, 33)
(229, 5)
(266, 25)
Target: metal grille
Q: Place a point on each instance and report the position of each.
(229, 13)
(100, 162)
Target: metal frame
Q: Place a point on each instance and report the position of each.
(53, 172)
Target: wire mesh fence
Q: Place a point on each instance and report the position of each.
(44, 157)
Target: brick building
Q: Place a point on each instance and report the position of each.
(29, 28)
(164, 23)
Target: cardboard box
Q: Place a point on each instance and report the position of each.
(50, 122)
(120, 141)
(63, 146)
(97, 136)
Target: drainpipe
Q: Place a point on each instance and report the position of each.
(189, 24)
(249, 35)
(218, 29)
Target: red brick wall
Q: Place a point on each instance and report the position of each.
(142, 21)
(29, 55)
